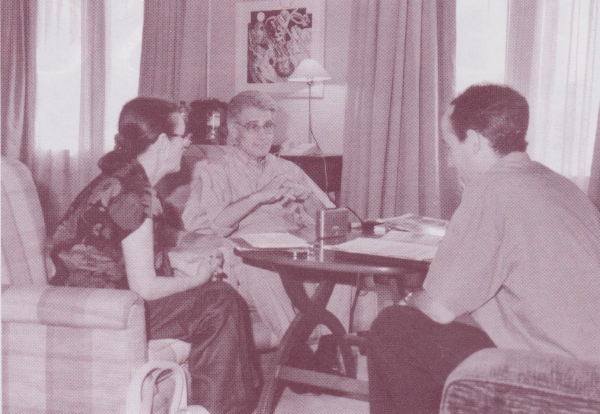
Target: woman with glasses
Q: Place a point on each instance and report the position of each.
(250, 190)
(114, 235)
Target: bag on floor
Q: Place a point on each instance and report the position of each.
(160, 387)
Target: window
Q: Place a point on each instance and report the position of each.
(59, 67)
(555, 63)
(481, 41)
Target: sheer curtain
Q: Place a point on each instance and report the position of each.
(18, 78)
(87, 69)
(553, 58)
(401, 78)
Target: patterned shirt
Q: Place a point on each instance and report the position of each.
(522, 255)
(86, 246)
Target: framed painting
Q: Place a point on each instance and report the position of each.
(272, 38)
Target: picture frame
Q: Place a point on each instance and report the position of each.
(272, 38)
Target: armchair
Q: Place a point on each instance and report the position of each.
(67, 350)
(64, 350)
(502, 381)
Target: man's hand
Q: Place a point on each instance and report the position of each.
(420, 299)
(283, 188)
(296, 192)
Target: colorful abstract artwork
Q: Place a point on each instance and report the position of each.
(272, 41)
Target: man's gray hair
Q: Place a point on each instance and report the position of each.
(250, 99)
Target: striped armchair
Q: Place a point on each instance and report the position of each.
(64, 350)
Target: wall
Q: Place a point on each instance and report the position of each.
(292, 122)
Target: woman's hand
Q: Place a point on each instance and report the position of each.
(195, 270)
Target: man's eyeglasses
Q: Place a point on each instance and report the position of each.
(254, 128)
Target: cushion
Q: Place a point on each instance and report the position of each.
(517, 381)
(23, 231)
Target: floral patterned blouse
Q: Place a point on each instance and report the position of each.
(86, 246)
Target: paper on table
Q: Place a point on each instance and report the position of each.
(417, 224)
(386, 248)
(275, 241)
(415, 238)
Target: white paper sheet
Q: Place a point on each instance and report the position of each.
(275, 241)
(386, 248)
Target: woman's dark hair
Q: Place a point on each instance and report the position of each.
(141, 122)
(497, 112)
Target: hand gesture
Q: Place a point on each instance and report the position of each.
(197, 269)
(296, 192)
(283, 188)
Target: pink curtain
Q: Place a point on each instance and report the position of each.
(174, 49)
(18, 78)
(400, 81)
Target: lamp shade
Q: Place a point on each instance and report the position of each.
(309, 70)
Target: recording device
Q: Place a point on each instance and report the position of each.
(367, 226)
(332, 222)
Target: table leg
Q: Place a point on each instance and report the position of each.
(311, 312)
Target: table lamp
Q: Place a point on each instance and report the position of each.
(309, 71)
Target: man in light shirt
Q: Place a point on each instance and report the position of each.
(520, 263)
(249, 191)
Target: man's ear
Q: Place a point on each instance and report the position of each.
(474, 141)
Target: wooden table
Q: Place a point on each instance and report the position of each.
(326, 267)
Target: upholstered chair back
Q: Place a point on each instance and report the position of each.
(24, 260)
(64, 350)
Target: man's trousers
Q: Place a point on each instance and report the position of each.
(409, 357)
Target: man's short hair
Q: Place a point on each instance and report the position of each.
(250, 99)
(497, 112)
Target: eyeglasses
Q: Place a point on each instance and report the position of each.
(254, 128)
(187, 138)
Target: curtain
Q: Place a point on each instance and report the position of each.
(401, 79)
(174, 49)
(594, 190)
(553, 58)
(18, 78)
(71, 100)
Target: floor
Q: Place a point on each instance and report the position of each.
(292, 403)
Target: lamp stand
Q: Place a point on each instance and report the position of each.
(311, 134)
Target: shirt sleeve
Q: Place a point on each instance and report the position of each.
(466, 271)
(210, 193)
(302, 178)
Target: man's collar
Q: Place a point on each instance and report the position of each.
(246, 159)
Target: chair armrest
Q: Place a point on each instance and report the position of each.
(516, 380)
(69, 306)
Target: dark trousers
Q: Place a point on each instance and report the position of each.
(223, 361)
(409, 357)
